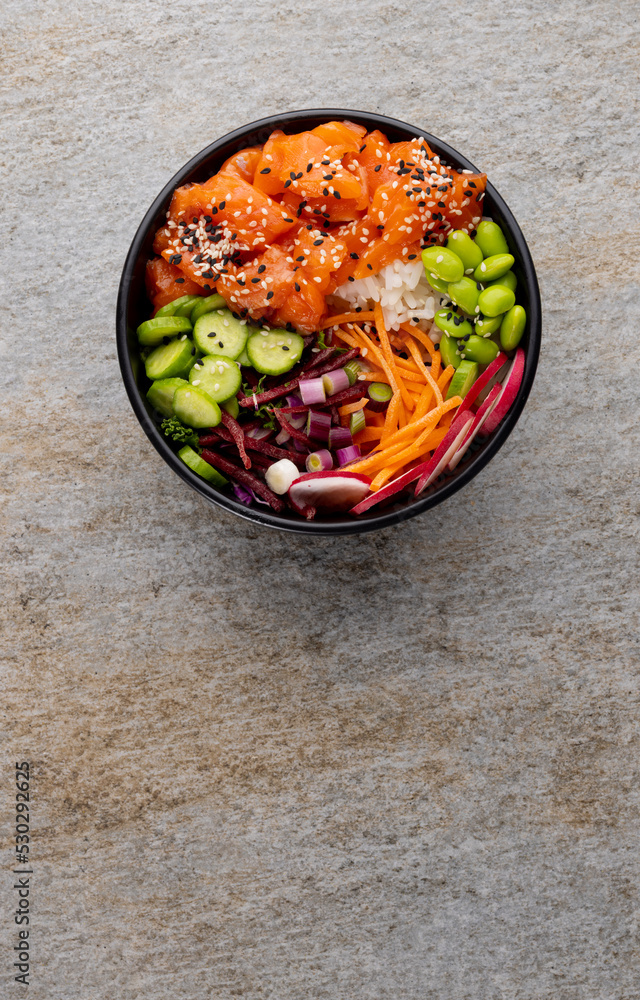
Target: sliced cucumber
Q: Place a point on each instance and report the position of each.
(171, 307)
(195, 408)
(243, 358)
(219, 332)
(232, 406)
(184, 309)
(171, 359)
(204, 306)
(465, 376)
(275, 352)
(198, 464)
(153, 331)
(216, 375)
(161, 393)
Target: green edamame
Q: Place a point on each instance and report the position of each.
(479, 349)
(449, 351)
(464, 293)
(494, 267)
(450, 321)
(490, 238)
(464, 247)
(445, 264)
(496, 299)
(486, 325)
(512, 327)
(436, 284)
(509, 280)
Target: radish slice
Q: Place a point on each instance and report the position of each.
(510, 386)
(328, 491)
(481, 382)
(446, 449)
(478, 421)
(388, 491)
(498, 377)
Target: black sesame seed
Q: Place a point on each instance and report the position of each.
(288, 220)
(362, 148)
(267, 170)
(284, 348)
(309, 167)
(327, 177)
(255, 281)
(351, 278)
(369, 266)
(354, 256)
(263, 267)
(296, 286)
(179, 281)
(412, 256)
(325, 192)
(301, 257)
(318, 243)
(376, 169)
(220, 343)
(287, 184)
(222, 204)
(336, 194)
(269, 295)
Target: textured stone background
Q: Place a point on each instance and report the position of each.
(395, 767)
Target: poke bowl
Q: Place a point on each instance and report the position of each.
(328, 322)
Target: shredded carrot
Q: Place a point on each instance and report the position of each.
(394, 445)
(415, 354)
(352, 407)
(361, 317)
(368, 433)
(416, 332)
(446, 377)
(429, 444)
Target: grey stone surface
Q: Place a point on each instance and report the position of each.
(400, 766)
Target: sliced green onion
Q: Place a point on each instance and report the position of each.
(379, 394)
(357, 422)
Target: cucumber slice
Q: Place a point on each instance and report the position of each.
(194, 407)
(153, 331)
(219, 332)
(197, 464)
(171, 359)
(274, 353)
(243, 358)
(232, 406)
(204, 306)
(184, 309)
(465, 375)
(216, 375)
(161, 394)
(171, 307)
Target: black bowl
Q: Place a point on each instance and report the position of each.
(133, 308)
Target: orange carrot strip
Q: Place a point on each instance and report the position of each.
(367, 434)
(446, 377)
(346, 338)
(391, 416)
(429, 444)
(415, 354)
(352, 407)
(395, 443)
(416, 332)
(340, 318)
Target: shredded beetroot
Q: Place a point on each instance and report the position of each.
(221, 434)
(288, 387)
(293, 431)
(350, 395)
(319, 358)
(244, 478)
(237, 434)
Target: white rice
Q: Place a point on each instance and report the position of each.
(403, 292)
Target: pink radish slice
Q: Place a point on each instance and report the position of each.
(328, 491)
(481, 382)
(446, 449)
(478, 421)
(498, 377)
(510, 386)
(387, 491)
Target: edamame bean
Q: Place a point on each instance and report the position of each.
(464, 247)
(464, 293)
(494, 267)
(436, 284)
(449, 351)
(495, 299)
(449, 321)
(479, 349)
(512, 327)
(445, 264)
(486, 325)
(490, 238)
(509, 280)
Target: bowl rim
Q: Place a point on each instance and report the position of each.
(344, 525)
